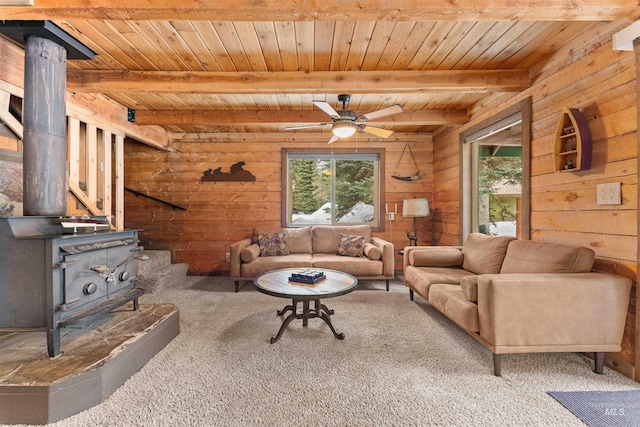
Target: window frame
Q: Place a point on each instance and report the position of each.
(467, 159)
(285, 154)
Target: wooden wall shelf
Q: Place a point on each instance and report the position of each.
(572, 150)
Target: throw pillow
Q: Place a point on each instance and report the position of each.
(273, 244)
(350, 245)
(372, 252)
(435, 256)
(250, 253)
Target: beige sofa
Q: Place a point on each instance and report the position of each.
(313, 246)
(520, 296)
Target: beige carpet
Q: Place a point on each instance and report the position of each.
(401, 364)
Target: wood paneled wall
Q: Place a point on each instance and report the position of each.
(220, 213)
(600, 82)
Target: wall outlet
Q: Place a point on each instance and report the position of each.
(609, 194)
(227, 257)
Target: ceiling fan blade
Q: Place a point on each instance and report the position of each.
(324, 106)
(333, 139)
(394, 109)
(306, 126)
(382, 133)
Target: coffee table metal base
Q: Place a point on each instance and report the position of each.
(318, 310)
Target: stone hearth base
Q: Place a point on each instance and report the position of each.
(97, 357)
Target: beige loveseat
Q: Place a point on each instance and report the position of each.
(521, 296)
(364, 256)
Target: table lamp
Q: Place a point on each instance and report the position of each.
(415, 208)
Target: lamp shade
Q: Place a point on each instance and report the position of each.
(415, 207)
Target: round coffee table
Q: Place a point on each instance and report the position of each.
(276, 283)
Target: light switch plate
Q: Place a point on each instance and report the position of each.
(609, 194)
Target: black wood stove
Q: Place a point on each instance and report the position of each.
(56, 271)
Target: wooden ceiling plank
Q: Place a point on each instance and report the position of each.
(214, 45)
(304, 45)
(172, 51)
(436, 36)
(248, 39)
(483, 43)
(329, 10)
(527, 50)
(465, 46)
(379, 39)
(88, 35)
(232, 45)
(499, 51)
(392, 49)
(196, 45)
(103, 81)
(145, 53)
(286, 45)
(323, 42)
(266, 33)
(176, 44)
(192, 117)
(342, 37)
(359, 45)
(512, 50)
(118, 46)
(412, 44)
(453, 37)
(109, 52)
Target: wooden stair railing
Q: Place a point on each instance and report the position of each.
(138, 193)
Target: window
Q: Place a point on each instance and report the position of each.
(332, 187)
(495, 174)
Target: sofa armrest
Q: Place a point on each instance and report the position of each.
(234, 257)
(388, 258)
(517, 311)
(435, 253)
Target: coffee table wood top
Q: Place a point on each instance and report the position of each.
(276, 283)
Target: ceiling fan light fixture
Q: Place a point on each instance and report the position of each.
(344, 129)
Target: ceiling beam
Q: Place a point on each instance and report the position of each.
(184, 117)
(330, 10)
(193, 82)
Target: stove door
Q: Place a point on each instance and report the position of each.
(97, 275)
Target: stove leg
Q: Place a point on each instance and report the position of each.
(53, 341)
(135, 304)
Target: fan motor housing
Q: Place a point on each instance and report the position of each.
(347, 114)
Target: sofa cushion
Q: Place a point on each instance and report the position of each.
(436, 257)
(325, 237)
(250, 253)
(372, 252)
(263, 264)
(349, 245)
(469, 286)
(421, 278)
(358, 266)
(299, 240)
(525, 256)
(273, 244)
(483, 254)
(449, 300)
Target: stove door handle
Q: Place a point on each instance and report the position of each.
(64, 264)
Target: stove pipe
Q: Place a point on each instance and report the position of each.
(45, 128)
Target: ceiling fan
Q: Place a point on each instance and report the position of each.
(344, 123)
